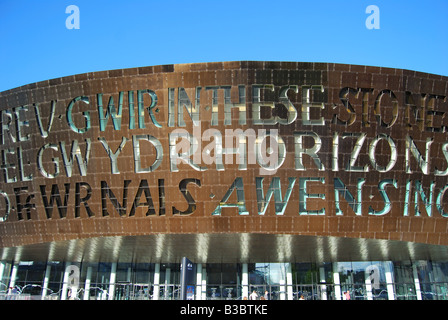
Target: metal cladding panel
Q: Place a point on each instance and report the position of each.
(289, 154)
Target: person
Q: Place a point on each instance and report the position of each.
(347, 295)
(266, 295)
(302, 297)
(253, 295)
(12, 293)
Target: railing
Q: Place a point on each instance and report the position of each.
(402, 291)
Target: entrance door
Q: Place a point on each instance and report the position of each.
(140, 292)
(123, 291)
(229, 292)
(273, 292)
(169, 292)
(307, 292)
(259, 289)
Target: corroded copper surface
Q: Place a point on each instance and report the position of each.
(74, 169)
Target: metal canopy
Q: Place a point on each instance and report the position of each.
(228, 248)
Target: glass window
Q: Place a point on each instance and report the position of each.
(258, 273)
(305, 273)
(124, 271)
(144, 273)
(169, 273)
(214, 273)
(55, 279)
(223, 281)
(103, 273)
(403, 272)
(440, 271)
(29, 277)
(404, 281)
(229, 273)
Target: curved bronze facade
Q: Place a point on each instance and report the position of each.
(356, 165)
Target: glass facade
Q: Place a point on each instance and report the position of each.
(366, 280)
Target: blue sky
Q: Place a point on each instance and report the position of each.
(35, 44)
